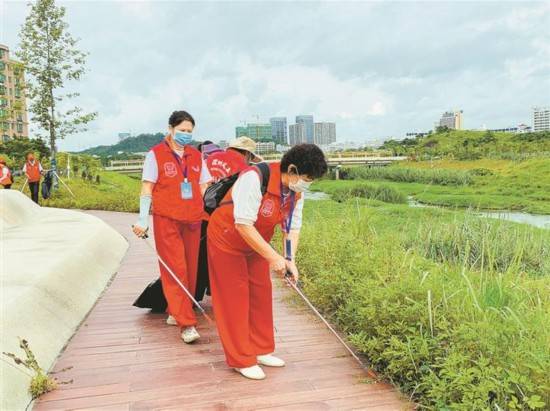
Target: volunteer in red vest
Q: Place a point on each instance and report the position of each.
(234, 159)
(221, 164)
(174, 179)
(5, 175)
(33, 170)
(241, 258)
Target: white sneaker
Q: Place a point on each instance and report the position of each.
(254, 372)
(171, 320)
(270, 360)
(189, 334)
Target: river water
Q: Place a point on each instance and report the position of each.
(537, 220)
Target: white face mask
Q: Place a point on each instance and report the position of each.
(300, 186)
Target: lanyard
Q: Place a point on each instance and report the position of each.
(179, 161)
(287, 222)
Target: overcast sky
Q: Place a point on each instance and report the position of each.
(376, 69)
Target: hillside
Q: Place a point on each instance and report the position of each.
(472, 145)
(138, 144)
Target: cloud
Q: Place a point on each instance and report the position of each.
(377, 69)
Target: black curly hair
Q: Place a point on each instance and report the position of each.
(178, 117)
(308, 158)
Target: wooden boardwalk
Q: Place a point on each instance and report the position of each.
(125, 358)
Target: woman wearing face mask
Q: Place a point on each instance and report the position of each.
(240, 257)
(221, 164)
(174, 179)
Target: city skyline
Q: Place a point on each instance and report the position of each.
(305, 130)
(490, 60)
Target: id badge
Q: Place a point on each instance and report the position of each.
(186, 191)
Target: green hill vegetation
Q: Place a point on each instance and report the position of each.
(472, 145)
(139, 144)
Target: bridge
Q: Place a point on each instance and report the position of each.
(136, 166)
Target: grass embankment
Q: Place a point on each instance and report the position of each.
(483, 184)
(452, 308)
(115, 192)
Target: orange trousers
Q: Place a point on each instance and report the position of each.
(177, 244)
(242, 300)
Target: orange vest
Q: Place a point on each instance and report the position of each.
(167, 201)
(7, 180)
(221, 228)
(33, 171)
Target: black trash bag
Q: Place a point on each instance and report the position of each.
(47, 185)
(152, 297)
(203, 283)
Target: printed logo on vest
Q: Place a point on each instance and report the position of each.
(267, 208)
(195, 169)
(170, 169)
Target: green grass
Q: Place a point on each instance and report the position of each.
(411, 175)
(368, 191)
(115, 192)
(452, 308)
(493, 185)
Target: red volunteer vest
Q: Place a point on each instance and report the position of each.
(33, 171)
(225, 163)
(167, 201)
(221, 228)
(5, 180)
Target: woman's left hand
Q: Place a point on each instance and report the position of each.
(292, 271)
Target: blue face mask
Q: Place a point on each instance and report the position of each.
(182, 138)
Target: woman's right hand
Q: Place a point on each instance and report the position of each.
(139, 230)
(277, 264)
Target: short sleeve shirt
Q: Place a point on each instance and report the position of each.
(247, 198)
(151, 172)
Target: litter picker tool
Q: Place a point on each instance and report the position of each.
(62, 182)
(177, 280)
(24, 184)
(310, 305)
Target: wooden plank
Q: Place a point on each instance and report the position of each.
(125, 358)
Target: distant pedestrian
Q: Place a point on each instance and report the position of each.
(33, 170)
(5, 175)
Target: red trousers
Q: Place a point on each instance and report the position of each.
(177, 244)
(242, 300)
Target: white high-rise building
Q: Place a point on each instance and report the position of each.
(452, 120)
(297, 134)
(324, 133)
(541, 119)
(279, 130)
(307, 121)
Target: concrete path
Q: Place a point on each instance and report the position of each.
(125, 358)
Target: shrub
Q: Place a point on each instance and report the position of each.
(369, 191)
(411, 175)
(451, 335)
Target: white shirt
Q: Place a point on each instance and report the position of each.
(5, 171)
(151, 171)
(247, 198)
(39, 166)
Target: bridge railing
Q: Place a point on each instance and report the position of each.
(131, 166)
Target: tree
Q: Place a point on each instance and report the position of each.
(51, 58)
(16, 150)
